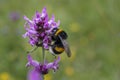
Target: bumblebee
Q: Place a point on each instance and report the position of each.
(59, 42)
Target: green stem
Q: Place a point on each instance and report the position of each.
(43, 52)
(42, 77)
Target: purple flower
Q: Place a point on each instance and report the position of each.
(14, 16)
(38, 69)
(39, 29)
(52, 24)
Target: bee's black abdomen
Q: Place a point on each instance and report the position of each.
(55, 51)
(57, 47)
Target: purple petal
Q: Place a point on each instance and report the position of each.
(46, 26)
(53, 65)
(25, 35)
(44, 13)
(53, 18)
(37, 14)
(42, 34)
(49, 65)
(32, 32)
(50, 22)
(34, 75)
(44, 10)
(45, 46)
(37, 20)
(29, 22)
(33, 40)
(27, 19)
(57, 60)
(46, 42)
(58, 23)
(32, 62)
(29, 58)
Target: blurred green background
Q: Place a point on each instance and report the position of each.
(94, 37)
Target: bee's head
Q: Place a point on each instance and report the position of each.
(52, 34)
(54, 31)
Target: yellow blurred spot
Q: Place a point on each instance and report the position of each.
(69, 71)
(73, 51)
(4, 76)
(74, 27)
(91, 36)
(48, 77)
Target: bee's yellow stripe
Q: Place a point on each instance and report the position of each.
(60, 30)
(59, 49)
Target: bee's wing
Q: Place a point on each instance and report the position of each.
(66, 47)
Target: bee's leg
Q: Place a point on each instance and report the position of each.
(31, 51)
(54, 55)
(51, 51)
